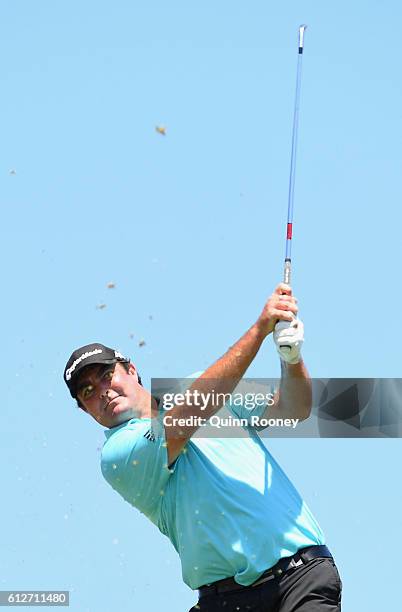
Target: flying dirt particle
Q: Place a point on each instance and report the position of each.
(111, 285)
(141, 343)
(101, 307)
(161, 130)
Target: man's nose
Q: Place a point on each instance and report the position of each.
(108, 386)
(105, 388)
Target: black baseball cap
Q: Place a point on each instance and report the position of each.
(88, 355)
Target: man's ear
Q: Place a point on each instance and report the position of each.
(133, 370)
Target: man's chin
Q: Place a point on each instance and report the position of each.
(122, 414)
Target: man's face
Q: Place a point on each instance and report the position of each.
(108, 392)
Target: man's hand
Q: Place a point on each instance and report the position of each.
(281, 306)
(288, 338)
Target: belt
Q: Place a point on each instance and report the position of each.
(303, 556)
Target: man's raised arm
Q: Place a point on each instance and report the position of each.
(294, 398)
(224, 375)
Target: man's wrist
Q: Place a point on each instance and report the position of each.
(295, 361)
(293, 369)
(260, 329)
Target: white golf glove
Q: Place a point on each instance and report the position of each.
(288, 338)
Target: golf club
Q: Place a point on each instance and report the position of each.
(289, 226)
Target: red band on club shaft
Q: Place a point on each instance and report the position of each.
(289, 232)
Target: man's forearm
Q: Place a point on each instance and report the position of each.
(294, 399)
(236, 360)
(221, 378)
(224, 375)
(228, 370)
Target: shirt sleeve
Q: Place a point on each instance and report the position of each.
(135, 463)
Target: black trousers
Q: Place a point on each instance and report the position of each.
(314, 587)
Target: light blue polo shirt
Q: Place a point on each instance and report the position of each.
(226, 505)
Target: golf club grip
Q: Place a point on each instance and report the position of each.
(286, 280)
(287, 271)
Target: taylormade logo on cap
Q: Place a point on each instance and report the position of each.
(71, 369)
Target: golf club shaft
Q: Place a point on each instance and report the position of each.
(289, 227)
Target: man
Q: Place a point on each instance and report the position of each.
(246, 539)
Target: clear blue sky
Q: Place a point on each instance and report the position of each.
(190, 227)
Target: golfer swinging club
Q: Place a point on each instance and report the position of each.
(246, 539)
